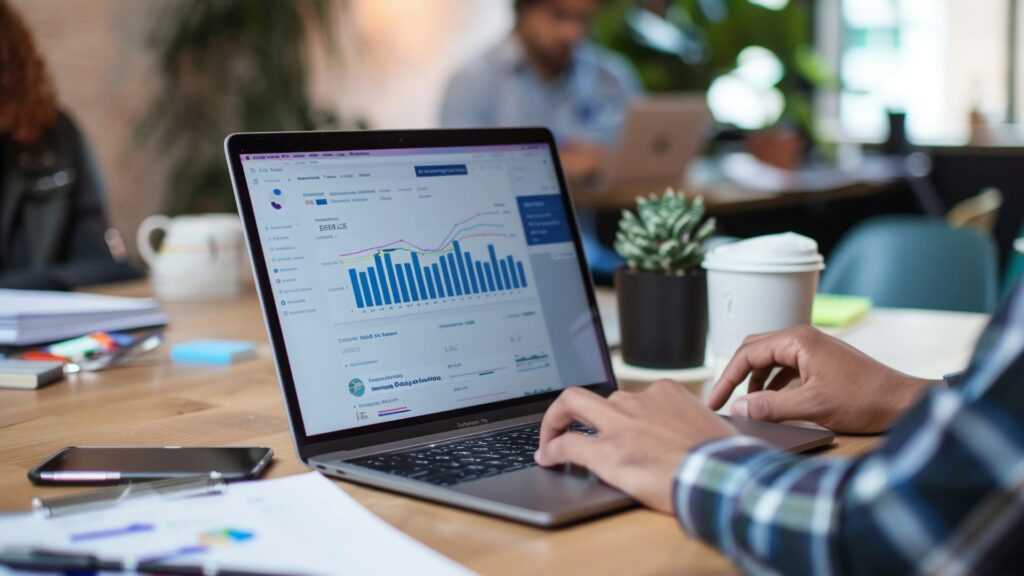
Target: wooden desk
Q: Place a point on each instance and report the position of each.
(775, 189)
(163, 404)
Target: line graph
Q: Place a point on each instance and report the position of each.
(456, 272)
(453, 234)
(403, 271)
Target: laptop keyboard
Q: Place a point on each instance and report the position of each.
(464, 460)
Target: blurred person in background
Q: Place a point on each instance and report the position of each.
(547, 73)
(54, 232)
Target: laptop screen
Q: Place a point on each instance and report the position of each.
(411, 282)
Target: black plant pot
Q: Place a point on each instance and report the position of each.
(663, 319)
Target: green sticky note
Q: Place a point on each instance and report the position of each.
(838, 309)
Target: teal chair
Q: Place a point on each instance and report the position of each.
(1014, 268)
(914, 262)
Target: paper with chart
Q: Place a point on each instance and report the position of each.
(296, 525)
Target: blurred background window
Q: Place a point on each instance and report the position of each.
(938, 60)
(156, 85)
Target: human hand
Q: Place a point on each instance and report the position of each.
(840, 387)
(581, 160)
(641, 437)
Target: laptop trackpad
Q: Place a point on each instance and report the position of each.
(557, 490)
(784, 436)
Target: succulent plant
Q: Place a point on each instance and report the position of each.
(665, 234)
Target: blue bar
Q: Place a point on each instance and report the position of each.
(441, 170)
(447, 277)
(494, 265)
(522, 274)
(472, 275)
(376, 288)
(412, 285)
(462, 267)
(437, 280)
(393, 283)
(355, 286)
(450, 258)
(401, 284)
(504, 274)
(480, 274)
(490, 276)
(512, 271)
(419, 275)
(430, 287)
(380, 275)
(366, 289)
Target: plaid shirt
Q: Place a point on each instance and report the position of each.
(943, 494)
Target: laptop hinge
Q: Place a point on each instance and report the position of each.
(426, 440)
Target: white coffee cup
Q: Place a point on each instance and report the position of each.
(760, 285)
(201, 257)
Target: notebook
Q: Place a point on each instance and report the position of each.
(29, 374)
(838, 310)
(32, 317)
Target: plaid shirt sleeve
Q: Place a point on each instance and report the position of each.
(944, 493)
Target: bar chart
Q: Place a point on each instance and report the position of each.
(402, 276)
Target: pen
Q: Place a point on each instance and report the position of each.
(38, 560)
(44, 356)
(80, 476)
(171, 488)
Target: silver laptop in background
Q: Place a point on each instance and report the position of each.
(426, 298)
(660, 138)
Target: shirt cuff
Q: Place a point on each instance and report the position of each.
(955, 379)
(709, 481)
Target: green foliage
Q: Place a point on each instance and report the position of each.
(665, 234)
(716, 32)
(228, 66)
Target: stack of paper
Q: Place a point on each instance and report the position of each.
(32, 317)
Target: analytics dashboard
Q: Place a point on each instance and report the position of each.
(416, 281)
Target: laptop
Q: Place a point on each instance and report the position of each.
(427, 299)
(660, 137)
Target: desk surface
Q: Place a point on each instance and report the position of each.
(738, 184)
(160, 403)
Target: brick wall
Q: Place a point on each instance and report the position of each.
(105, 74)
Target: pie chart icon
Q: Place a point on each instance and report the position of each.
(275, 199)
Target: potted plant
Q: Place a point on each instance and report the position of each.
(230, 66)
(662, 292)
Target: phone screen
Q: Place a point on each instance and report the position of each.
(99, 464)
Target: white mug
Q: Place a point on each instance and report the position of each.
(760, 285)
(201, 257)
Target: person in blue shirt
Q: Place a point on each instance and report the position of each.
(547, 73)
(943, 493)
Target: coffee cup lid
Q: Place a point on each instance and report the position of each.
(773, 253)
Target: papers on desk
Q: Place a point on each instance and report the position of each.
(33, 317)
(747, 171)
(296, 525)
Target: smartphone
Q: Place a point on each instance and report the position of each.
(115, 464)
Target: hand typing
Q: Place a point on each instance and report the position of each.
(641, 440)
(833, 384)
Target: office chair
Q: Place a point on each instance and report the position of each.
(914, 262)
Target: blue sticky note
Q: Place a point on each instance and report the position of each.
(212, 351)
